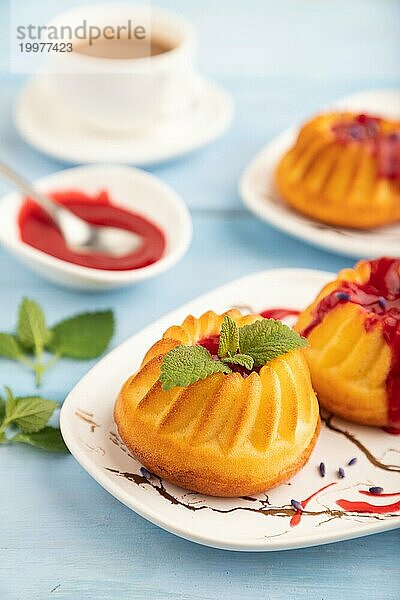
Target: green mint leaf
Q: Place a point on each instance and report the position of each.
(244, 360)
(32, 332)
(2, 410)
(83, 336)
(9, 347)
(3, 421)
(48, 438)
(31, 413)
(229, 337)
(10, 404)
(267, 339)
(184, 365)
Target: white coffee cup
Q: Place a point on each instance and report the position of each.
(127, 94)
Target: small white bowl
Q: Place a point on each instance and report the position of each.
(129, 188)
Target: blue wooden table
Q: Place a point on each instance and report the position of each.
(62, 535)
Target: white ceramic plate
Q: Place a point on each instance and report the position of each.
(261, 197)
(259, 523)
(52, 129)
(129, 188)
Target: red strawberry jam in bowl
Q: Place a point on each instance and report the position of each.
(39, 231)
(103, 195)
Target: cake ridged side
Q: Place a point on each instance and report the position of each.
(349, 363)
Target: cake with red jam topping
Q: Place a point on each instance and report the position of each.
(221, 405)
(344, 170)
(353, 329)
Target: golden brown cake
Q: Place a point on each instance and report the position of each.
(344, 170)
(229, 433)
(353, 329)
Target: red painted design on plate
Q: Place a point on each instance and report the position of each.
(295, 520)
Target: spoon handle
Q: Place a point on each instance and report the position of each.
(75, 230)
(24, 186)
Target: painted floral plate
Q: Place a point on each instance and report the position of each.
(334, 508)
(259, 194)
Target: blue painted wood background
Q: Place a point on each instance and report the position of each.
(61, 535)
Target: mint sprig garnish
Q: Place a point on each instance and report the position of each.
(248, 347)
(25, 419)
(267, 339)
(184, 365)
(83, 336)
(229, 337)
(243, 360)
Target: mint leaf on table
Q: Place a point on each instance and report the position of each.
(244, 360)
(31, 413)
(10, 403)
(267, 339)
(32, 332)
(83, 336)
(9, 347)
(184, 365)
(28, 416)
(229, 337)
(2, 409)
(48, 438)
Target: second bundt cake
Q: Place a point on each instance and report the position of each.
(353, 329)
(344, 170)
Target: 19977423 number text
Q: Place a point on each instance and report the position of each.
(46, 47)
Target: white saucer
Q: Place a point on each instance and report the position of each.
(261, 197)
(47, 126)
(257, 523)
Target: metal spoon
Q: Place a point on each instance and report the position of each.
(79, 235)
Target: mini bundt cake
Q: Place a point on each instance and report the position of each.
(353, 329)
(207, 412)
(344, 170)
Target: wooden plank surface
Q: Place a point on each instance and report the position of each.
(61, 535)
